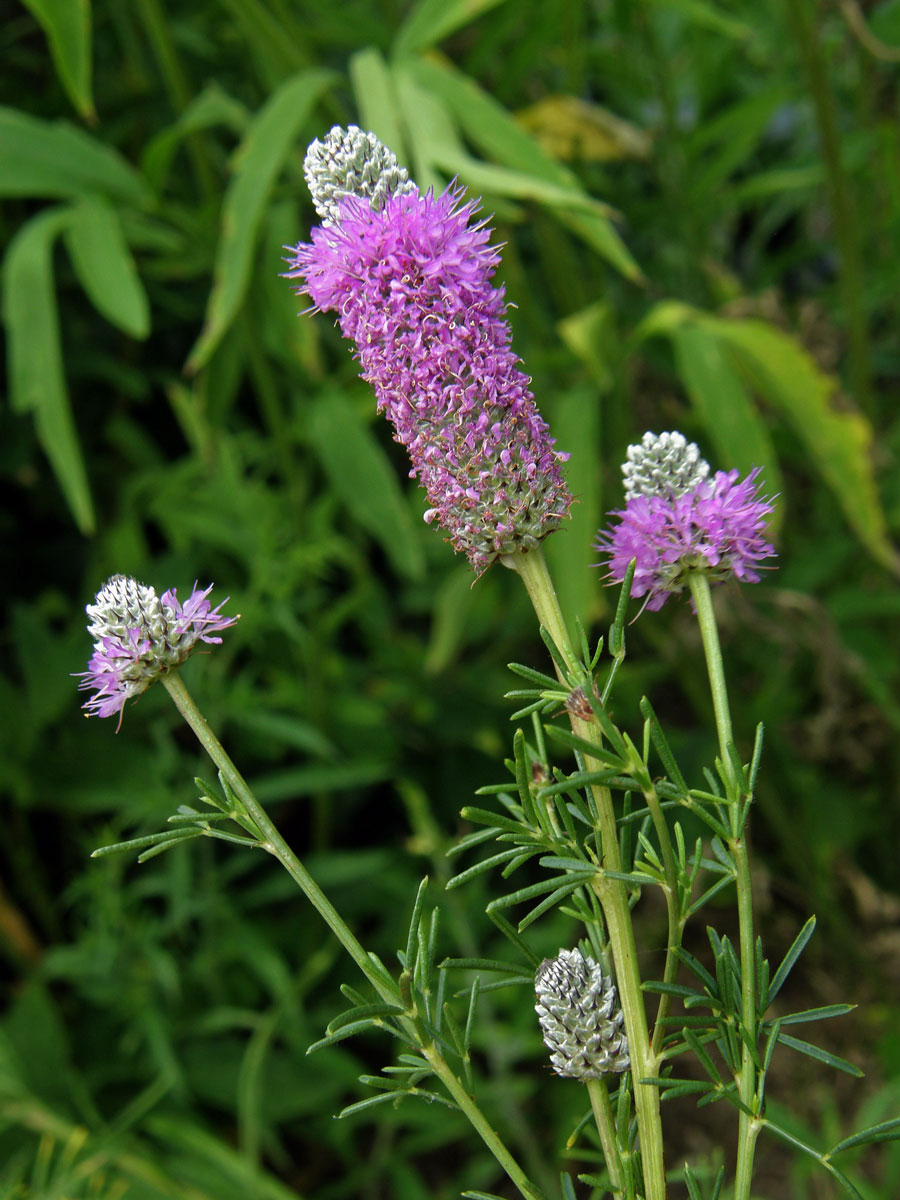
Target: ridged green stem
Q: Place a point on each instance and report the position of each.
(611, 893)
(275, 844)
(605, 1121)
(749, 1125)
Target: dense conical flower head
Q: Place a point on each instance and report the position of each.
(349, 162)
(580, 1015)
(690, 523)
(664, 464)
(139, 635)
(411, 286)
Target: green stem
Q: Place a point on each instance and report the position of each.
(675, 925)
(749, 1125)
(843, 211)
(606, 1127)
(610, 892)
(532, 567)
(274, 842)
(373, 971)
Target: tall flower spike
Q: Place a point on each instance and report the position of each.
(138, 636)
(410, 282)
(348, 162)
(677, 520)
(581, 1018)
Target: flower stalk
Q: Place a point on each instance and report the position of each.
(612, 896)
(749, 1125)
(274, 843)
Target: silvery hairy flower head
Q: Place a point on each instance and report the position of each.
(410, 279)
(349, 162)
(664, 464)
(678, 519)
(581, 1018)
(139, 635)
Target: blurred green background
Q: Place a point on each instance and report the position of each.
(700, 201)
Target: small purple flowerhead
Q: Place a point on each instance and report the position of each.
(138, 636)
(677, 519)
(409, 278)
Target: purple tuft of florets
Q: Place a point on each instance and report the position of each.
(138, 636)
(717, 527)
(411, 286)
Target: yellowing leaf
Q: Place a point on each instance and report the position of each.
(570, 128)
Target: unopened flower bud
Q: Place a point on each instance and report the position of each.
(581, 1018)
(663, 464)
(349, 162)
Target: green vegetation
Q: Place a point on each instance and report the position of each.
(700, 201)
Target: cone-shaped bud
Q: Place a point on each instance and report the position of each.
(580, 1017)
(349, 162)
(664, 464)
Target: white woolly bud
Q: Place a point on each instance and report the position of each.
(663, 464)
(581, 1018)
(349, 162)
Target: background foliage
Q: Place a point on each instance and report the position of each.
(701, 207)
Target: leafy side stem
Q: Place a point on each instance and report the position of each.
(673, 915)
(272, 841)
(610, 892)
(749, 1122)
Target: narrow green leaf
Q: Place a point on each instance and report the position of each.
(104, 265)
(495, 131)
(376, 99)
(53, 161)
(414, 922)
(162, 845)
(431, 20)
(479, 868)
(519, 942)
(67, 24)
(257, 163)
(823, 1056)
(838, 441)
(718, 393)
(483, 817)
(352, 1110)
(816, 1014)
(355, 1027)
(538, 889)
(36, 376)
(361, 475)
(211, 107)
(549, 902)
(708, 16)
(481, 964)
(365, 1012)
(886, 1131)
(139, 843)
(804, 1148)
(787, 963)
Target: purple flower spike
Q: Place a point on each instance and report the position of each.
(677, 520)
(138, 636)
(410, 282)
